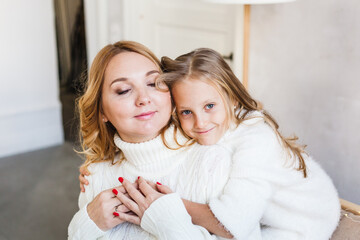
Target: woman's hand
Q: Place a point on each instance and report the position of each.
(82, 179)
(141, 198)
(107, 211)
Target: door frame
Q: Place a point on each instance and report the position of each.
(96, 25)
(97, 30)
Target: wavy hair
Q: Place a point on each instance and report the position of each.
(97, 136)
(208, 65)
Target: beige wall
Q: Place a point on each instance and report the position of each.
(305, 68)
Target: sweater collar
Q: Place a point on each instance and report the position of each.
(151, 155)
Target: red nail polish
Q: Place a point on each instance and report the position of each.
(138, 177)
(158, 183)
(115, 191)
(115, 214)
(121, 179)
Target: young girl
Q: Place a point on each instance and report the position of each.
(275, 190)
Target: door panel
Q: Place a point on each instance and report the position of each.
(174, 27)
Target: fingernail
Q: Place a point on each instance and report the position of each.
(115, 191)
(115, 214)
(138, 177)
(158, 183)
(121, 179)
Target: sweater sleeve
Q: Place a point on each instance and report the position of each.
(167, 218)
(81, 225)
(249, 188)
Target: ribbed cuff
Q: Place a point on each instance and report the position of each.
(82, 227)
(165, 215)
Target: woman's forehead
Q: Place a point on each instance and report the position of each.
(128, 65)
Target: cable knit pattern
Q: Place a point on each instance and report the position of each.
(264, 198)
(264, 188)
(191, 172)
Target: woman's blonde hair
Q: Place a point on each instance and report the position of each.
(97, 136)
(208, 65)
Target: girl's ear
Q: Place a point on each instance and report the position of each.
(235, 104)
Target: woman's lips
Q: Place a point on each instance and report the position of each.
(145, 115)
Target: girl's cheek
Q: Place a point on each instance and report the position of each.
(185, 126)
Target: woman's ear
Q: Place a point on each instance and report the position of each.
(102, 114)
(104, 118)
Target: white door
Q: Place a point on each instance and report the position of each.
(174, 27)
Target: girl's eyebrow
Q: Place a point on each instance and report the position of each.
(211, 100)
(181, 108)
(123, 79)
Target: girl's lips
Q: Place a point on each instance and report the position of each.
(203, 132)
(145, 116)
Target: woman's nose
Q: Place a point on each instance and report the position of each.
(143, 98)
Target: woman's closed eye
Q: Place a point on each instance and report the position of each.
(152, 79)
(122, 92)
(152, 84)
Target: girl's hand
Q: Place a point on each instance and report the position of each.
(159, 187)
(107, 211)
(140, 199)
(163, 188)
(82, 179)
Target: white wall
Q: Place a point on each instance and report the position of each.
(30, 110)
(305, 68)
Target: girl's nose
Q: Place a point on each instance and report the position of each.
(200, 121)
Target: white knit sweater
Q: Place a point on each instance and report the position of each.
(196, 173)
(265, 198)
(264, 188)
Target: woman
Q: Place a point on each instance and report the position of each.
(126, 132)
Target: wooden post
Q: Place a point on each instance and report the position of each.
(246, 45)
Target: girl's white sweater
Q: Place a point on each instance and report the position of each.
(265, 197)
(264, 187)
(197, 173)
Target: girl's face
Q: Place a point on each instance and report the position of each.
(201, 110)
(130, 100)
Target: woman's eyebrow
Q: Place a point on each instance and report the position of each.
(123, 79)
(151, 72)
(118, 80)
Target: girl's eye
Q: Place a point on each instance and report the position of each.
(185, 112)
(123, 92)
(151, 84)
(209, 106)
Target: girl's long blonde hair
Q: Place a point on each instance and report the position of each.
(97, 136)
(208, 65)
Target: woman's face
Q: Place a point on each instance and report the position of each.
(130, 100)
